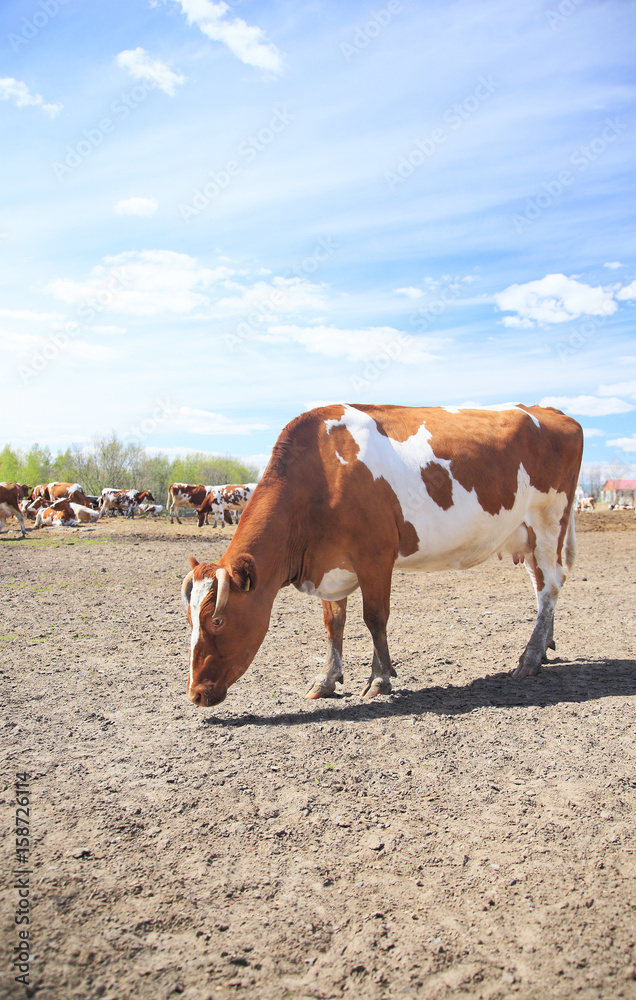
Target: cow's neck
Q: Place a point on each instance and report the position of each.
(266, 532)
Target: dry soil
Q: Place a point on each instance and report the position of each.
(469, 836)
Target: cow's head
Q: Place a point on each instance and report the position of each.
(229, 619)
(201, 513)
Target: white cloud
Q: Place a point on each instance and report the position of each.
(192, 421)
(136, 206)
(146, 282)
(613, 265)
(618, 389)
(18, 90)
(18, 343)
(91, 352)
(627, 292)
(28, 314)
(247, 42)
(517, 323)
(553, 299)
(109, 331)
(627, 444)
(593, 432)
(281, 295)
(410, 292)
(142, 66)
(26, 345)
(588, 406)
(354, 345)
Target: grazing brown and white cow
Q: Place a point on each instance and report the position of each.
(224, 498)
(123, 501)
(352, 491)
(185, 495)
(59, 514)
(60, 491)
(11, 496)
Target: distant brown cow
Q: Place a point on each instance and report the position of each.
(185, 495)
(10, 496)
(59, 491)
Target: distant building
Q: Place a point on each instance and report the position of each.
(618, 491)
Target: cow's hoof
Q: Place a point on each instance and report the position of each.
(527, 667)
(376, 686)
(320, 689)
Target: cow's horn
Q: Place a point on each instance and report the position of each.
(223, 590)
(186, 589)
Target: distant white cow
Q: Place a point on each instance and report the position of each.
(84, 514)
(151, 508)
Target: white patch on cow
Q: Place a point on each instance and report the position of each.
(464, 535)
(336, 584)
(200, 590)
(495, 407)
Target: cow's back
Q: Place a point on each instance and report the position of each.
(445, 486)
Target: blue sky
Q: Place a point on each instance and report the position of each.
(217, 215)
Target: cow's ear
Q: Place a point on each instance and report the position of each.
(193, 562)
(244, 572)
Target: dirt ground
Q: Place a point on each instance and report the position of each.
(468, 836)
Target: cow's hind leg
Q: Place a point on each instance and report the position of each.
(548, 564)
(324, 683)
(376, 597)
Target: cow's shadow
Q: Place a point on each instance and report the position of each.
(559, 682)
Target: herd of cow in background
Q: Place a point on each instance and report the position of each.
(67, 505)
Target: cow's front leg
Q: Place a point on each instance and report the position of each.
(324, 683)
(375, 609)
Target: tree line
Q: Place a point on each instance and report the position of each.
(111, 462)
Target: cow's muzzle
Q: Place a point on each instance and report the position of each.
(206, 695)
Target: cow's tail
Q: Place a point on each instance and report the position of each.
(569, 544)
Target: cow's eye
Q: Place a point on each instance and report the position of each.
(217, 622)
